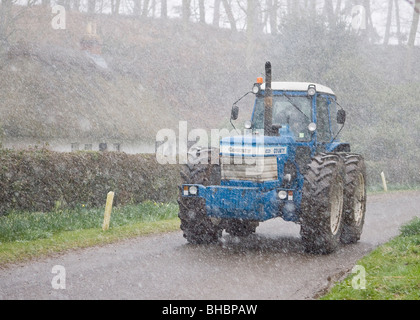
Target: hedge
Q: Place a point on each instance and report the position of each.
(40, 180)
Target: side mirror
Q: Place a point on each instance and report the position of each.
(235, 112)
(341, 116)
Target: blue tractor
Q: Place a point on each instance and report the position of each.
(288, 163)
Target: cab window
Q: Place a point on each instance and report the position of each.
(326, 118)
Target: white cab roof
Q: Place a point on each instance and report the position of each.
(297, 86)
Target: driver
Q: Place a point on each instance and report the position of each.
(284, 113)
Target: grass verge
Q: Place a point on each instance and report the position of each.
(24, 236)
(379, 189)
(392, 271)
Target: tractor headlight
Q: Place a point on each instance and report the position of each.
(311, 90)
(256, 88)
(193, 190)
(312, 127)
(282, 194)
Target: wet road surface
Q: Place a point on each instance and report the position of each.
(268, 265)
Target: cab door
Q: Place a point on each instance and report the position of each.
(326, 121)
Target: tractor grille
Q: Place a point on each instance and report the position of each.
(256, 169)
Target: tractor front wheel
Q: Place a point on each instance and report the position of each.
(198, 228)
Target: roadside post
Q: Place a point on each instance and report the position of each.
(108, 209)
(384, 181)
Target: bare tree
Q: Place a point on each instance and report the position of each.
(136, 7)
(76, 5)
(164, 9)
(251, 26)
(115, 6)
(414, 24)
(202, 11)
(9, 17)
(186, 10)
(153, 8)
(272, 7)
(251, 18)
(10, 14)
(388, 22)
(369, 23)
(328, 10)
(312, 6)
(338, 8)
(145, 11)
(91, 6)
(293, 7)
(6, 20)
(409, 59)
(229, 14)
(397, 18)
(216, 13)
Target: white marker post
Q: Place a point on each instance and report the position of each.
(384, 181)
(108, 208)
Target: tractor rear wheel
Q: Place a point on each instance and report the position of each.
(198, 228)
(322, 204)
(354, 198)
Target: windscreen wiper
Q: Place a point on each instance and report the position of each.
(291, 102)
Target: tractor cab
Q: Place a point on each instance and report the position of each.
(307, 112)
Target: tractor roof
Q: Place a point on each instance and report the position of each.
(297, 86)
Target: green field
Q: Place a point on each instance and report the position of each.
(25, 235)
(391, 272)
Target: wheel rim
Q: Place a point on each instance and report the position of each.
(359, 196)
(336, 206)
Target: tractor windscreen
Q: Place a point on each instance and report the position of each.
(287, 110)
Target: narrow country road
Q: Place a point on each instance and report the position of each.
(268, 265)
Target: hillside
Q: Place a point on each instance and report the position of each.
(153, 73)
(157, 74)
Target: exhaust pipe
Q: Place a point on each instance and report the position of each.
(268, 103)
